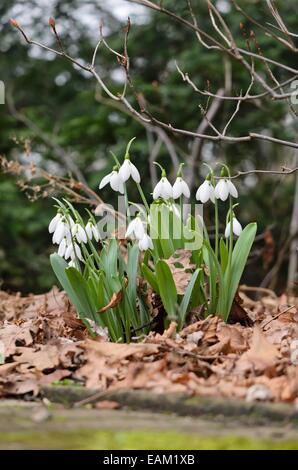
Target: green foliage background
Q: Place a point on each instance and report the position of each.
(62, 102)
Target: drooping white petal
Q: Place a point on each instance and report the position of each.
(125, 170)
(106, 179)
(232, 189)
(115, 181)
(177, 188)
(135, 173)
(59, 232)
(222, 190)
(139, 229)
(135, 228)
(62, 248)
(82, 234)
(89, 230)
(185, 189)
(69, 252)
(203, 192)
(77, 250)
(228, 230)
(130, 228)
(95, 232)
(54, 222)
(145, 243)
(157, 190)
(121, 187)
(211, 193)
(167, 190)
(237, 228)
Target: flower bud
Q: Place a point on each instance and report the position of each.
(14, 23)
(52, 22)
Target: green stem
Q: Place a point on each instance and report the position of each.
(143, 197)
(229, 267)
(126, 202)
(216, 228)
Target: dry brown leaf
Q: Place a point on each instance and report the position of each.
(45, 357)
(116, 352)
(115, 299)
(179, 265)
(262, 355)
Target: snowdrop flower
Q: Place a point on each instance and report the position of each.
(205, 192)
(92, 231)
(115, 181)
(128, 170)
(163, 189)
(73, 251)
(180, 187)
(135, 228)
(78, 232)
(54, 222)
(224, 188)
(145, 243)
(62, 247)
(237, 228)
(61, 231)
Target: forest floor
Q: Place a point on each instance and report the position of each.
(110, 395)
(43, 343)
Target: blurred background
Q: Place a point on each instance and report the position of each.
(57, 118)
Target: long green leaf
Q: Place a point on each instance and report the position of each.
(167, 288)
(80, 286)
(239, 259)
(59, 265)
(187, 298)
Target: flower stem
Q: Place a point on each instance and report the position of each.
(126, 203)
(216, 227)
(143, 197)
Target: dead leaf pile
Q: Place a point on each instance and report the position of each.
(44, 342)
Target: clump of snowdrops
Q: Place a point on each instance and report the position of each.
(106, 284)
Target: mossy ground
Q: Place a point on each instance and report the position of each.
(127, 440)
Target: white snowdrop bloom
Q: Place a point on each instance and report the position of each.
(54, 222)
(95, 232)
(180, 187)
(62, 247)
(115, 181)
(233, 190)
(224, 188)
(237, 228)
(128, 170)
(73, 251)
(92, 231)
(135, 228)
(60, 232)
(145, 243)
(205, 192)
(80, 234)
(88, 230)
(163, 189)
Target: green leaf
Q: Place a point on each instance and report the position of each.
(239, 259)
(187, 298)
(150, 277)
(224, 255)
(167, 288)
(59, 265)
(80, 287)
